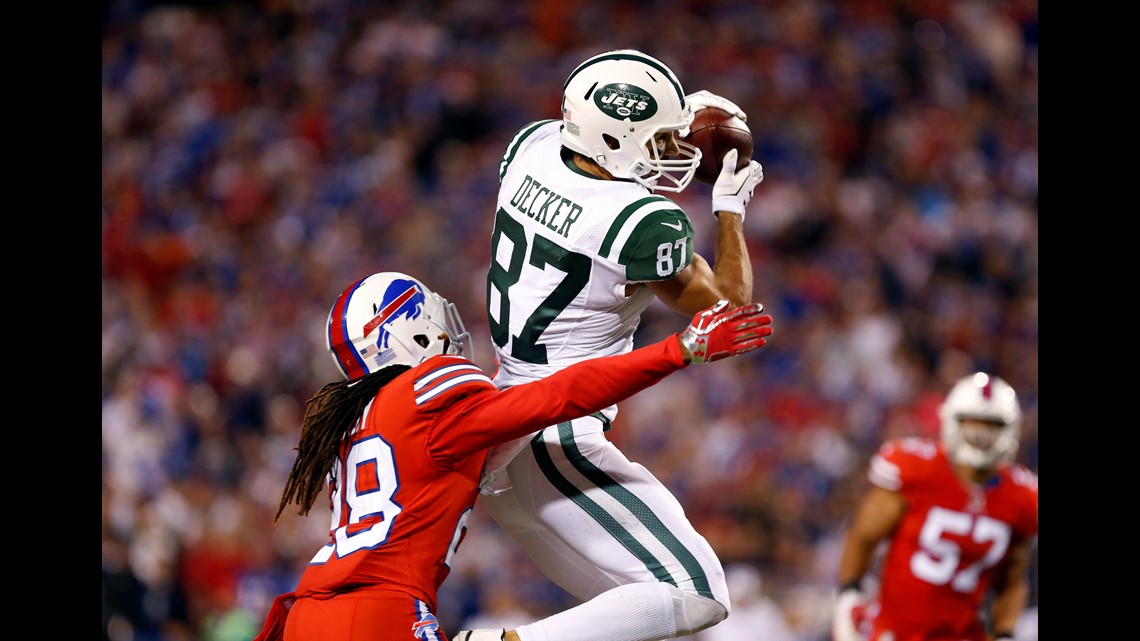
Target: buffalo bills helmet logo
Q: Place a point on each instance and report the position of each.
(402, 299)
(390, 318)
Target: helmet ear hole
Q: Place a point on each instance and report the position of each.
(421, 340)
(611, 142)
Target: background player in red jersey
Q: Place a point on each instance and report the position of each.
(399, 447)
(960, 518)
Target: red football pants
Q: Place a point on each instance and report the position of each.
(363, 615)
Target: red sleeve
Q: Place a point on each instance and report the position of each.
(481, 420)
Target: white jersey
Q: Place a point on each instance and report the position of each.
(564, 247)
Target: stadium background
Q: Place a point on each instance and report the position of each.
(257, 157)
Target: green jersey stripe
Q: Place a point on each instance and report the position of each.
(516, 142)
(644, 229)
(542, 457)
(628, 220)
(631, 56)
(636, 508)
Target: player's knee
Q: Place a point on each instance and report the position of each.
(709, 611)
(694, 612)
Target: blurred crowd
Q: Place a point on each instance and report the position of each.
(259, 156)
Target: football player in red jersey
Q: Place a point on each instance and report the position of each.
(960, 517)
(399, 447)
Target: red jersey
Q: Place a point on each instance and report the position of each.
(406, 480)
(951, 536)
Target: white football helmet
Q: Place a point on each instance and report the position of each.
(987, 398)
(614, 104)
(390, 318)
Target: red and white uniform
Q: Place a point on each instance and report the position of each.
(406, 482)
(951, 536)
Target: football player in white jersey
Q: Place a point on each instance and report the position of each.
(583, 240)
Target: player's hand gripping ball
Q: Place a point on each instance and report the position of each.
(714, 131)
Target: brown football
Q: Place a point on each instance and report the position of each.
(714, 131)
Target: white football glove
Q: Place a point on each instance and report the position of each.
(843, 626)
(700, 99)
(733, 189)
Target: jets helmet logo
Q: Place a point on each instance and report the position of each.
(623, 100)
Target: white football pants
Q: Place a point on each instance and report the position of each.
(608, 532)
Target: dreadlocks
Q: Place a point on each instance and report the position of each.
(330, 416)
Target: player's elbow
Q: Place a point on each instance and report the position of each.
(739, 298)
(738, 292)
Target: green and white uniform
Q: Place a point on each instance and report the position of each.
(566, 244)
(564, 248)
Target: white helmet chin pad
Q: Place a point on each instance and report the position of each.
(390, 318)
(982, 397)
(613, 105)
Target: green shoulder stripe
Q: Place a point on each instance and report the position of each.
(627, 219)
(516, 142)
(652, 237)
(660, 246)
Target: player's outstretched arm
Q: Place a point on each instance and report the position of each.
(492, 417)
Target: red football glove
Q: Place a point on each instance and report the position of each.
(715, 333)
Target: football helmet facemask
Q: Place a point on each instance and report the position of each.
(390, 318)
(985, 398)
(614, 104)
